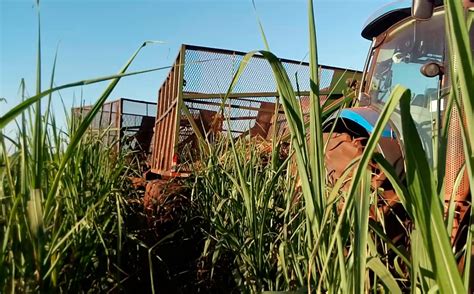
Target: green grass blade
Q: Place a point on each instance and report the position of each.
(260, 25)
(382, 272)
(295, 122)
(458, 33)
(394, 180)
(362, 206)
(316, 152)
(82, 128)
(38, 146)
(361, 168)
(462, 72)
(48, 105)
(20, 107)
(426, 204)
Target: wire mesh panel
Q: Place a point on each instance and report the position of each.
(190, 103)
(126, 123)
(106, 123)
(136, 125)
(210, 71)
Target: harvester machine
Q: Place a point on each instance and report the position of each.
(409, 47)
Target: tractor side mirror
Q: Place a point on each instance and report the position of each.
(422, 9)
(432, 69)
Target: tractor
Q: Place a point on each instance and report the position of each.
(408, 48)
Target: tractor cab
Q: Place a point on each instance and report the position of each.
(403, 53)
(408, 48)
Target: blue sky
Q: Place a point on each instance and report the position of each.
(95, 38)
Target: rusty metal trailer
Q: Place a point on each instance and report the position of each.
(190, 100)
(123, 123)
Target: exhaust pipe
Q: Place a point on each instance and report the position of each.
(422, 9)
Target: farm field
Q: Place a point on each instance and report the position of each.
(249, 172)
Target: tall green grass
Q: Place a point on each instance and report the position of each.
(78, 247)
(61, 220)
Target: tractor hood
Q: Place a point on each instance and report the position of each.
(387, 16)
(366, 117)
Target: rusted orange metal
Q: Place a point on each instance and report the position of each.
(166, 122)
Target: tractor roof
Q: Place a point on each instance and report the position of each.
(387, 16)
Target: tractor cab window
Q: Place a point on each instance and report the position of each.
(398, 60)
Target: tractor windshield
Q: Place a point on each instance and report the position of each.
(401, 55)
(398, 60)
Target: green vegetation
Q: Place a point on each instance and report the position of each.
(272, 219)
(62, 193)
(44, 246)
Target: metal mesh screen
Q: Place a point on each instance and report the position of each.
(190, 100)
(208, 74)
(125, 121)
(211, 71)
(107, 117)
(106, 122)
(455, 158)
(137, 120)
